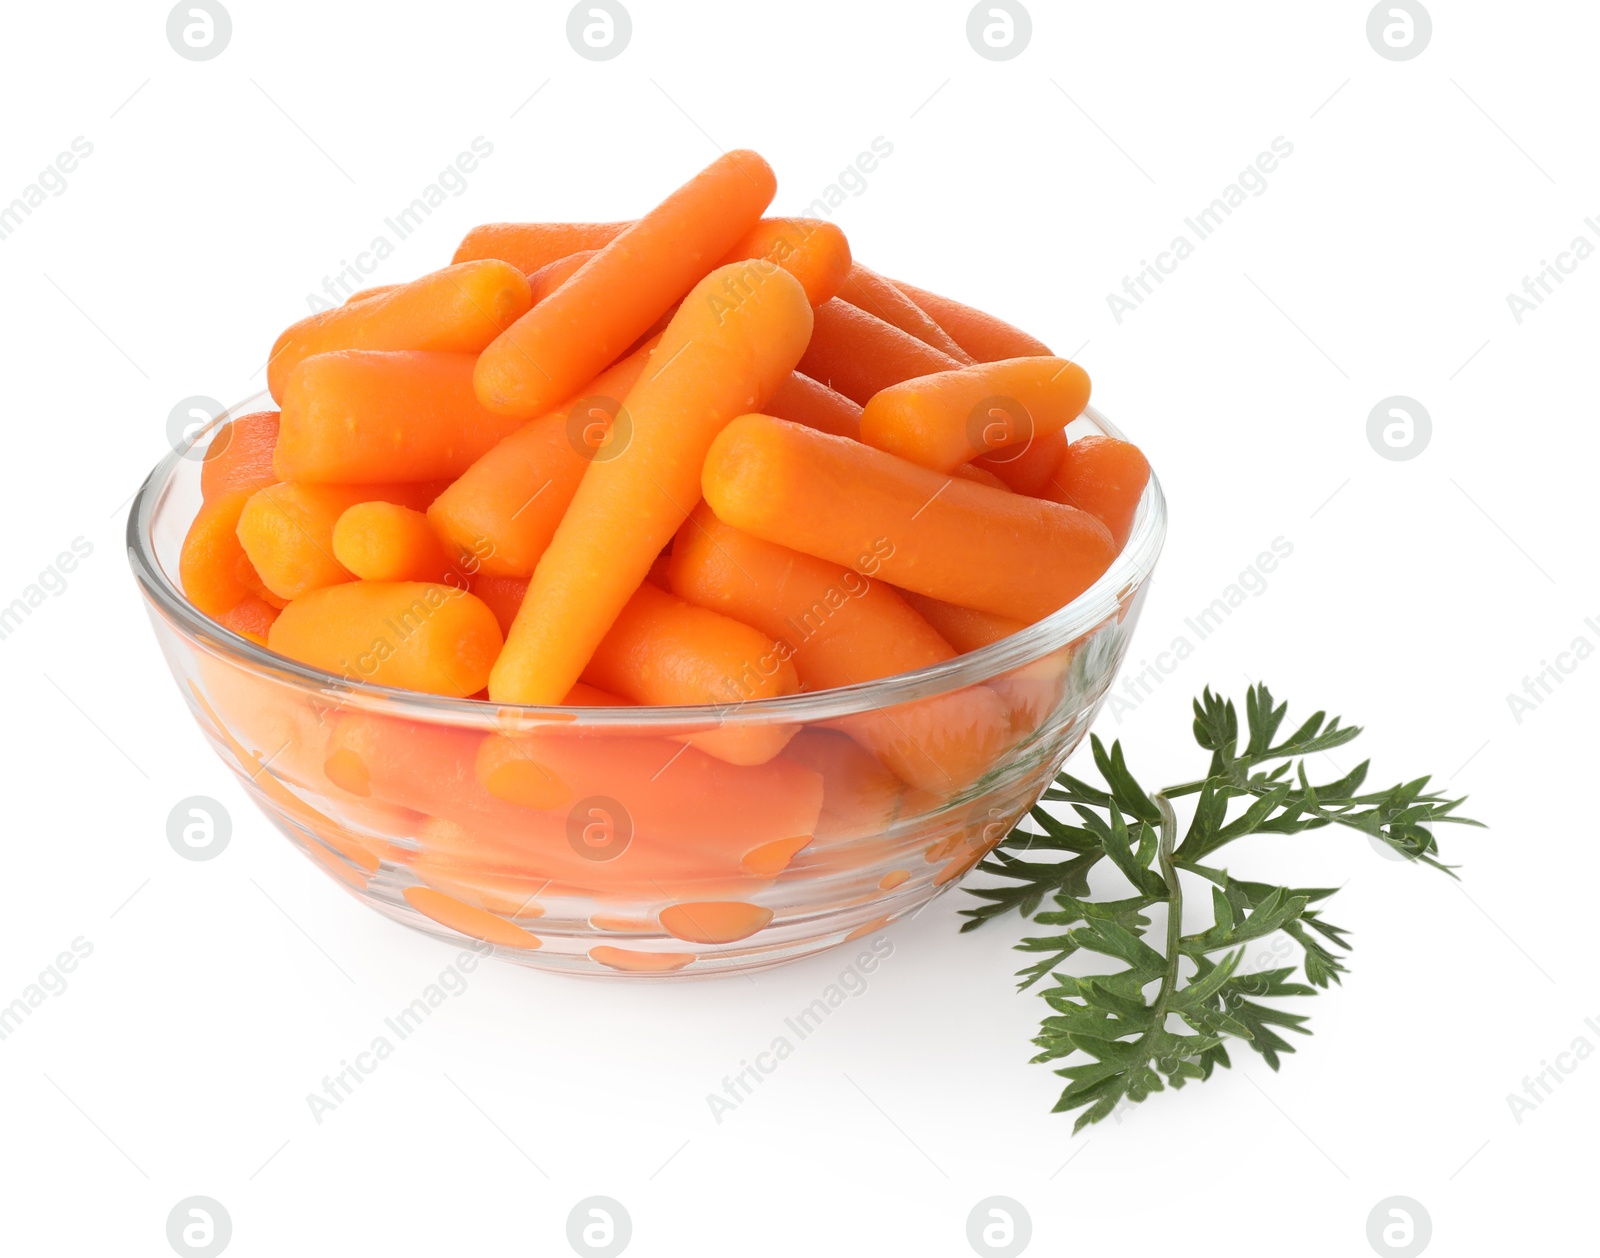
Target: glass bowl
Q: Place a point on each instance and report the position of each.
(615, 842)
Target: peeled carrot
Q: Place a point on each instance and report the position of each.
(858, 354)
(962, 627)
(802, 400)
(586, 323)
(1028, 469)
(972, 472)
(369, 416)
(414, 635)
(215, 572)
(812, 250)
(383, 541)
(529, 246)
(842, 629)
(502, 595)
(1104, 477)
(946, 419)
(252, 618)
(983, 336)
(869, 291)
(720, 356)
(504, 509)
(286, 530)
(860, 798)
(457, 310)
(674, 794)
(240, 455)
(552, 275)
(663, 650)
(947, 538)
(363, 294)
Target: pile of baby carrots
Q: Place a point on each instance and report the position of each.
(703, 457)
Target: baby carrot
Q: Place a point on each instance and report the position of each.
(457, 310)
(869, 291)
(983, 336)
(552, 275)
(1027, 469)
(972, 472)
(213, 568)
(947, 538)
(251, 619)
(502, 595)
(1104, 477)
(735, 339)
(377, 290)
(501, 513)
(858, 354)
(592, 318)
(841, 629)
(962, 627)
(240, 455)
(383, 541)
(801, 400)
(812, 250)
(414, 635)
(529, 246)
(365, 416)
(286, 530)
(948, 418)
(662, 650)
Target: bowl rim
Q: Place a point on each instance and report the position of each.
(1104, 599)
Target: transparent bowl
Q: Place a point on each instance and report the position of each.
(622, 847)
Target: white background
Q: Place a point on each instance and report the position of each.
(1418, 595)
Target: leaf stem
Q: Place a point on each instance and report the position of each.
(1169, 875)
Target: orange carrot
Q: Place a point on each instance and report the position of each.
(962, 627)
(869, 291)
(410, 634)
(1104, 477)
(240, 455)
(735, 339)
(369, 416)
(663, 650)
(812, 250)
(972, 472)
(529, 246)
(500, 514)
(382, 541)
(983, 336)
(946, 419)
(841, 629)
(552, 275)
(1027, 469)
(860, 798)
(858, 354)
(667, 792)
(944, 537)
(215, 572)
(457, 310)
(586, 323)
(801, 400)
(286, 530)
(502, 595)
(363, 294)
(251, 619)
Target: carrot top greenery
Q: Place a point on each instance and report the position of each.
(1115, 1032)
